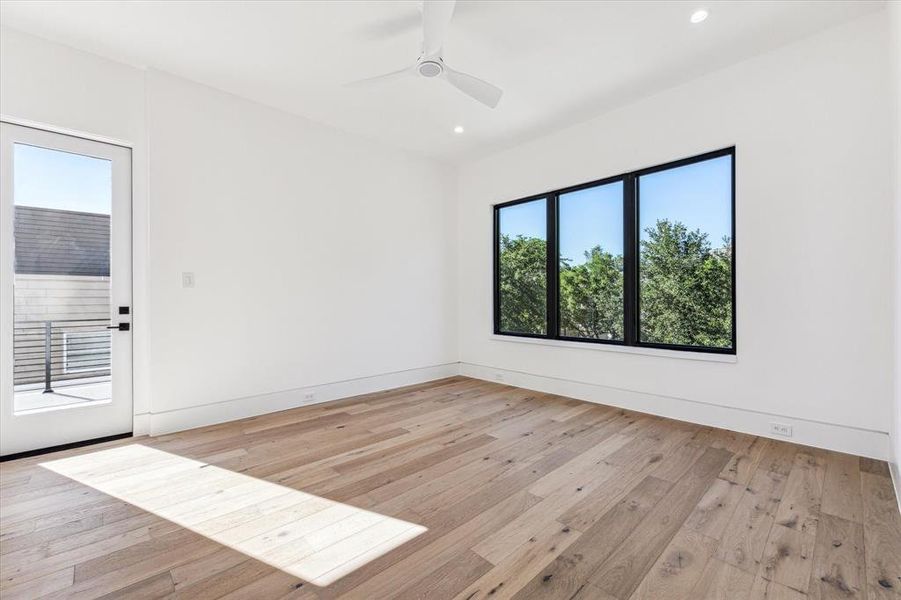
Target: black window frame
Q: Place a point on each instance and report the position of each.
(631, 266)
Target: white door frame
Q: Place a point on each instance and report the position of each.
(74, 424)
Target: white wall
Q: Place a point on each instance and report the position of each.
(320, 258)
(54, 84)
(814, 233)
(894, 12)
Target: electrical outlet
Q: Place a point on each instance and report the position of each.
(781, 429)
(309, 396)
(499, 376)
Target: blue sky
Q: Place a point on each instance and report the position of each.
(698, 195)
(62, 180)
(589, 218)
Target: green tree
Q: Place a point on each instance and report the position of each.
(523, 284)
(686, 287)
(591, 296)
(685, 295)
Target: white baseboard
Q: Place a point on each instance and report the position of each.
(159, 423)
(141, 425)
(851, 440)
(861, 442)
(895, 470)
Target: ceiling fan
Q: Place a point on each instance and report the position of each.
(436, 16)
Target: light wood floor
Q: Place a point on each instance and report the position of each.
(524, 495)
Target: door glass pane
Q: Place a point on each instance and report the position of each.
(61, 346)
(685, 268)
(523, 267)
(591, 262)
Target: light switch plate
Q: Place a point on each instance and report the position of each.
(187, 279)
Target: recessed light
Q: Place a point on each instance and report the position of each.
(699, 16)
(458, 129)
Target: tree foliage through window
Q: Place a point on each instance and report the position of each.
(591, 296)
(685, 289)
(523, 284)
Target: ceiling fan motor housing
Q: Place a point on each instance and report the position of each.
(429, 68)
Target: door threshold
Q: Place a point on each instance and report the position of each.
(69, 446)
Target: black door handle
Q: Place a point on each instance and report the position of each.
(120, 326)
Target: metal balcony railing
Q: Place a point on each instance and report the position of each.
(62, 349)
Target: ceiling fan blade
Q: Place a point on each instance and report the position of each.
(486, 93)
(436, 15)
(384, 77)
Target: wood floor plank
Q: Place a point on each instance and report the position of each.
(444, 581)
(801, 500)
(714, 510)
(592, 459)
(388, 574)
(44, 536)
(745, 459)
(386, 477)
(678, 567)
(153, 587)
(518, 532)
(788, 557)
(520, 564)
(874, 467)
(778, 457)
(764, 589)
(722, 581)
(121, 578)
(841, 488)
(584, 514)
(623, 571)
(882, 537)
(838, 565)
(733, 441)
(220, 584)
(212, 566)
(673, 466)
(31, 563)
(470, 520)
(571, 570)
(746, 534)
(40, 586)
(473, 490)
(269, 584)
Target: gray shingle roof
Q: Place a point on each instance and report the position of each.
(61, 242)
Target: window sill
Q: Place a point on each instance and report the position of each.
(680, 354)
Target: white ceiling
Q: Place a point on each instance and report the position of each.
(559, 62)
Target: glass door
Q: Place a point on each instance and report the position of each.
(65, 289)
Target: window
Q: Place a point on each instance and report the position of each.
(522, 267)
(685, 254)
(591, 262)
(641, 259)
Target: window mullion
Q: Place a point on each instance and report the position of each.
(496, 269)
(630, 260)
(553, 268)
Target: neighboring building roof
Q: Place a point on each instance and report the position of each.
(61, 242)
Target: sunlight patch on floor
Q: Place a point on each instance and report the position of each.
(313, 538)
